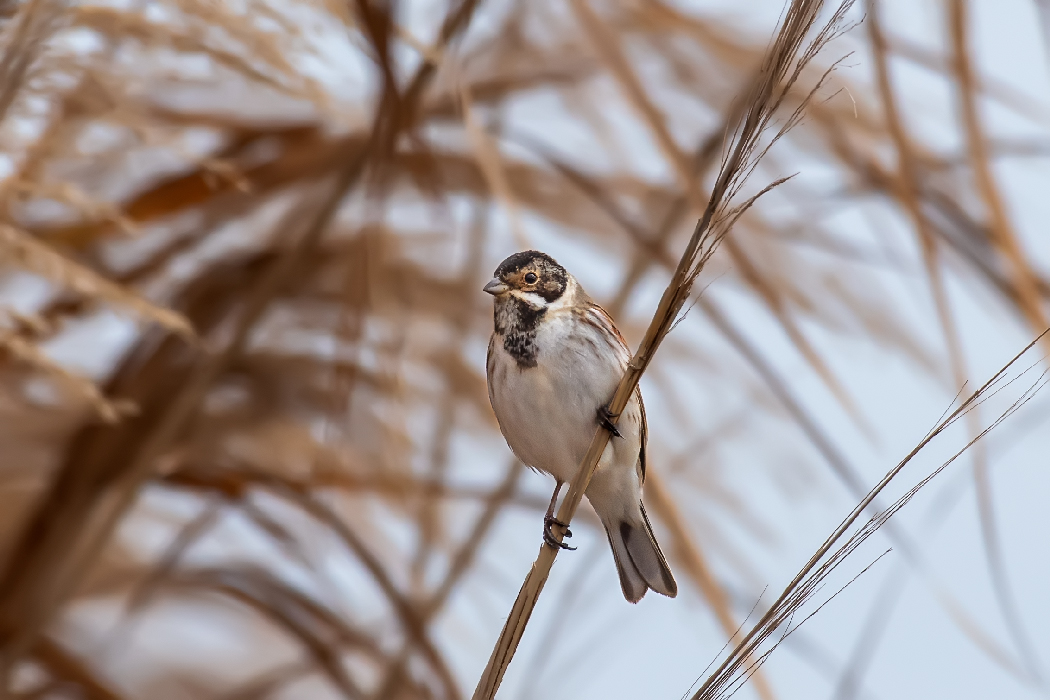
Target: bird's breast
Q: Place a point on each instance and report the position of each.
(547, 411)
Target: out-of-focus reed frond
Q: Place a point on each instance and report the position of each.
(242, 386)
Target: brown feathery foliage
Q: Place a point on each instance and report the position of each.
(245, 444)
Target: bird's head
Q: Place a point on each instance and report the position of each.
(530, 276)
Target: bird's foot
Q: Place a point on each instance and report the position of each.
(548, 536)
(605, 417)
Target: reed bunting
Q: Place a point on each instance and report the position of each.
(554, 361)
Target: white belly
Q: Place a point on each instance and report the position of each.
(548, 413)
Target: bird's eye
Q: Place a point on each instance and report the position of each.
(530, 278)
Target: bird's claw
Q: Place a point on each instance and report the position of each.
(605, 417)
(548, 536)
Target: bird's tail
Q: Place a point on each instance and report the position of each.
(639, 561)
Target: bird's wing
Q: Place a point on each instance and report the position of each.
(608, 325)
(488, 364)
(644, 434)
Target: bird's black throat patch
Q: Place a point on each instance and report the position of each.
(516, 321)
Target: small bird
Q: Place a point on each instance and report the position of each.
(554, 360)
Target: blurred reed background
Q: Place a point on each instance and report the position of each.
(245, 443)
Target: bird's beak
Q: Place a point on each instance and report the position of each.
(495, 287)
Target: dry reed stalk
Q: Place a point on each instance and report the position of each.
(777, 304)
(1022, 276)
(30, 254)
(26, 351)
(907, 182)
(781, 67)
(460, 562)
(1024, 281)
(736, 667)
(607, 45)
(35, 22)
(492, 167)
(74, 670)
(72, 196)
(55, 552)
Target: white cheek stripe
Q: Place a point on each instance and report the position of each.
(531, 298)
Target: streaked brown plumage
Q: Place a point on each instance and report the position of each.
(554, 360)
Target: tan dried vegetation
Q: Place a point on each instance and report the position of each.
(264, 227)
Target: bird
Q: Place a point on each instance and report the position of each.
(554, 360)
